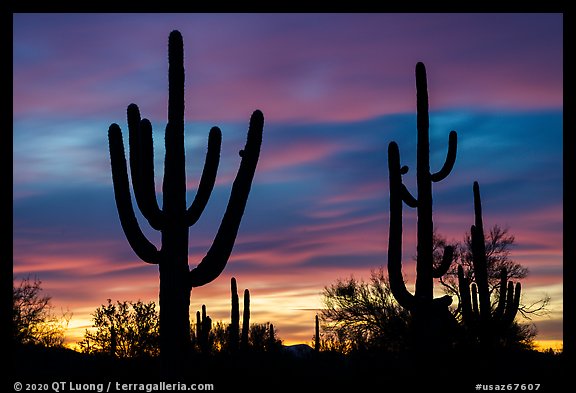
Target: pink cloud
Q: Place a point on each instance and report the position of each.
(333, 73)
(296, 152)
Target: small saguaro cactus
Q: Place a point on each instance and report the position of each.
(234, 328)
(317, 335)
(235, 340)
(174, 219)
(429, 315)
(203, 328)
(485, 324)
(273, 344)
(245, 320)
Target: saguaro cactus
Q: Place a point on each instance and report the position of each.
(245, 320)
(235, 340)
(317, 334)
(427, 312)
(234, 329)
(203, 328)
(174, 218)
(271, 338)
(483, 323)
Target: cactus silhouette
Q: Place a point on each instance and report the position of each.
(317, 335)
(430, 315)
(273, 343)
(245, 320)
(484, 324)
(235, 340)
(234, 329)
(203, 328)
(271, 338)
(174, 218)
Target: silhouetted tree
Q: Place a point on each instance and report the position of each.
(359, 315)
(175, 218)
(263, 338)
(219, 338)
(336, 341)
(33, 316)
(123, 330)
(498, 245)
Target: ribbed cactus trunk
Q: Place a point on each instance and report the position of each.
(430, 316)
(174, 218)
(174, 288)
(424, 247)
(245, 320)
(484, 325)
(234, 329)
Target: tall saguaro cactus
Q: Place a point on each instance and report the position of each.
(426, 311)
(174, 218)
(483, 323)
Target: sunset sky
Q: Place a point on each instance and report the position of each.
(335, 90)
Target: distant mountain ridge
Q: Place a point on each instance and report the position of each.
(298, 350)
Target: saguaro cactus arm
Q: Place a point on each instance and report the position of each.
(513, 302)
(499, 313)
(450, 159)
(479, 255)
(142, 166)
(397, 285)
(208, 178)
(217, 256)
(465, 299)
(139, 243)
(447, 257)
(405, 194)
(509, 299)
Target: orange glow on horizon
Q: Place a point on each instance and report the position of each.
(546, 345)
(291, 308)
